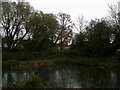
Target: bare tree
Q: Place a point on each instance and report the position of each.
(113, 11)
(81, 24)
(115, 23)
(64, 33)
(13, 18)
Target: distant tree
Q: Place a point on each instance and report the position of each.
(95, 40)
(64, 33)
(80, 41)
(80, 37)
(115, 23)
(42, 29)
(98, 35)
(14, 16)
(81, 24)
(51, 25)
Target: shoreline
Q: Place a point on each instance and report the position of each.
(12, 64)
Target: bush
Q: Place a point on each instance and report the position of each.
(34, 82)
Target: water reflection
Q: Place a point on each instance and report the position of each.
(5, 79)
(58, 78)
(113, 79)
(68, 77)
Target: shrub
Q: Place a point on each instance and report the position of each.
(34, 82)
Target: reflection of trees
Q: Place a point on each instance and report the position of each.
(11, 77)
(93, 78)
(5, 78)
(14, 76)
(113, 78)
(85, 79)
(72, 77)
(64, 78)
(118, 79)
(58, 78)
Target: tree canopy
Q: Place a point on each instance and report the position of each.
(25, 28)
(14, 16)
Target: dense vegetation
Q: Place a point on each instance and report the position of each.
(28, 34)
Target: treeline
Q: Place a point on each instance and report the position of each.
(26, 29)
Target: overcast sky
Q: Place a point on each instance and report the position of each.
(90, 9)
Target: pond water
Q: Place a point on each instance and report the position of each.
(68, 76)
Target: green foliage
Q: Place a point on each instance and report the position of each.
(33, 82)
(42, 29)
(95, 41)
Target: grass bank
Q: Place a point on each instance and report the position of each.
(109, 62)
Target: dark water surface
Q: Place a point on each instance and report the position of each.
(68, 76)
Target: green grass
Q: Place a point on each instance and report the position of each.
(13, 60)
(98, 62)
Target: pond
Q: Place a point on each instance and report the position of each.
(68, 76)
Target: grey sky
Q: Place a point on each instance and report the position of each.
(90, 9)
